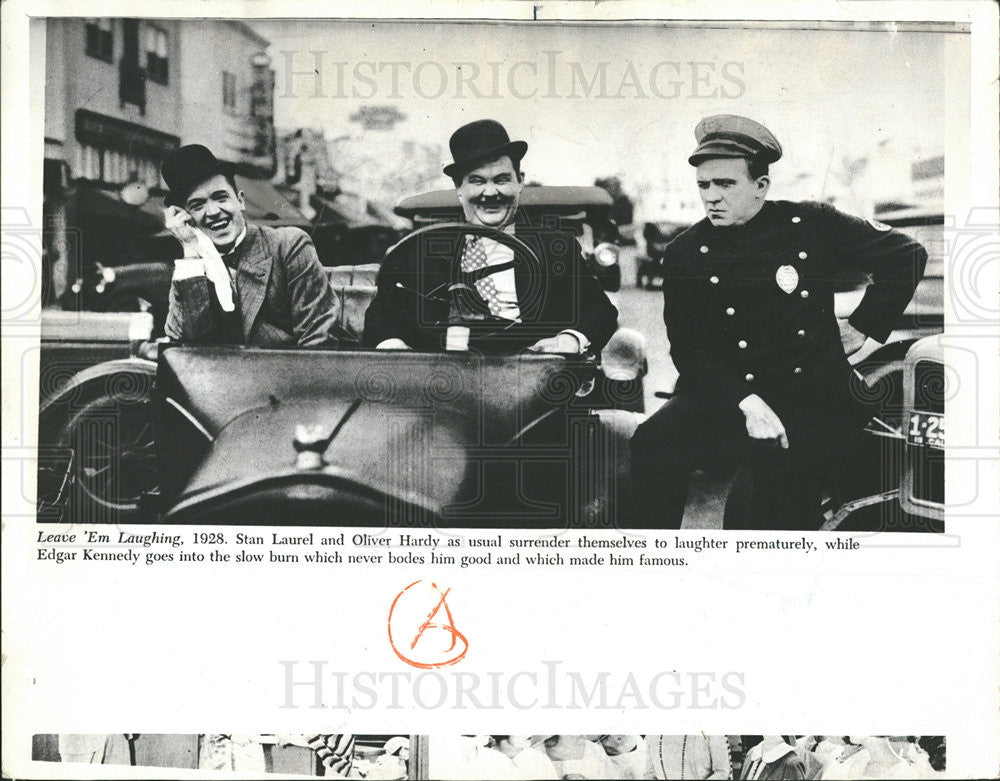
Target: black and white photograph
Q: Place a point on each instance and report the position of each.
(384, 757)
(422, 372)
(587, 285)
(747, 757)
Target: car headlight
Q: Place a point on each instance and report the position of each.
(606, 254)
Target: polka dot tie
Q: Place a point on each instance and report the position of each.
(473, 259)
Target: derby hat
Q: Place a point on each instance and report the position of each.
(727, 135)
(479, 142)
(187, 167)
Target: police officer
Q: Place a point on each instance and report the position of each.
(762, 358)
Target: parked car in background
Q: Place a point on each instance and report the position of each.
(649, 265)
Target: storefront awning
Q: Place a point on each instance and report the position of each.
(264, 206)
(267, 206)
(95, 203)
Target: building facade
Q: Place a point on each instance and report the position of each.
(121, 94)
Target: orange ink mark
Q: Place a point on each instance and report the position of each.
(431, 658)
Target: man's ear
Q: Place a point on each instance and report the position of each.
(763, 184)
(241, 199)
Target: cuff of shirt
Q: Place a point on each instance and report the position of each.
(583, 340)
(189, 267)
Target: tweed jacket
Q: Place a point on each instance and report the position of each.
(284, 297)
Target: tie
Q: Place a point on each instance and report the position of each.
(473, 259)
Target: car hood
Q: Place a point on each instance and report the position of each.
(416, 456)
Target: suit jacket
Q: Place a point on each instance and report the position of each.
(734, 330)
(283, 294)
(418, 313)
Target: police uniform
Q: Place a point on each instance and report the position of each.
(749, 309)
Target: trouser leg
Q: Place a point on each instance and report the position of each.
(788, 489)
(789, 484)
(684, 434)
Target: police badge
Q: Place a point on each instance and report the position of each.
(787, 278)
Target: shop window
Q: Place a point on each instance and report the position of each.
(229, 90)
(157, 59)
(100, 39)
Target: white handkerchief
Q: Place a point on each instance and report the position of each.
(216, 271)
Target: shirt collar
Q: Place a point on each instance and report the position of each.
(236, 245)
(508, 228)
(773, 753)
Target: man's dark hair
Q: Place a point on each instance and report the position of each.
(756, 168)
(457, 178)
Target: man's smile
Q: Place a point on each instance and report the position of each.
(219, 224)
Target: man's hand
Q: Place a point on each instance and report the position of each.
(181, 226)
(762, 422)
(392, 344)
(560, 343)
(850, 337)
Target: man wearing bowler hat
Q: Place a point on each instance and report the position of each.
(573, 315)
(239, 283)
(762, 358)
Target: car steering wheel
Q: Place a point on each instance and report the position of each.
(436, 283)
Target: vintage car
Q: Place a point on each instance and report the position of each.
(904, 378)
(584, 211)
(649, 265)
(198, 434)
(95, 437)
(223, 434)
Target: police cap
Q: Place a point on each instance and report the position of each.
(727, 135)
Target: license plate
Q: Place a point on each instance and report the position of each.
(927, 429)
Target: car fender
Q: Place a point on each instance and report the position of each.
(102, 378)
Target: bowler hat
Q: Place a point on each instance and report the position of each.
(479, 142)
(187, 167)
(727, 135)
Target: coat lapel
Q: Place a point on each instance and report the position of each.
(525, 282)
(252, 274)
